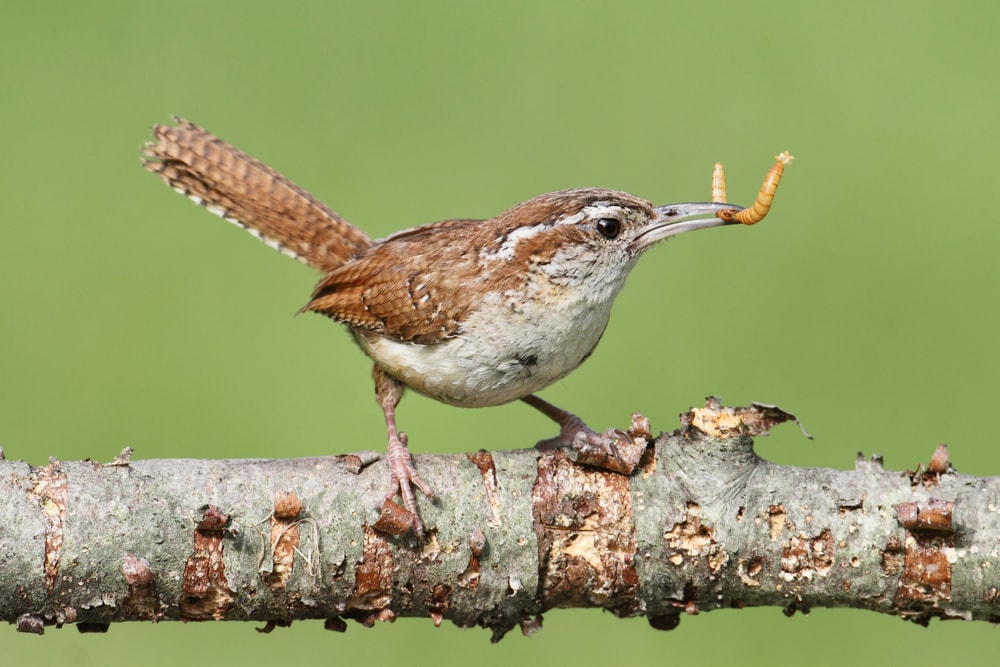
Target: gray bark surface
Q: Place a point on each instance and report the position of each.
(700, 524)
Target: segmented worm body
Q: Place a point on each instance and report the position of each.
(756, 212)
(719, 184)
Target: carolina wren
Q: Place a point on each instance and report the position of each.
(472, 313)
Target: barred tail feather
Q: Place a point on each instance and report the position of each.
(250, 194)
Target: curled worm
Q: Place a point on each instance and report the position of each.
(756, 212)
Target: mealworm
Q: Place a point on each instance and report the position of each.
(756, 212)
(719, 184)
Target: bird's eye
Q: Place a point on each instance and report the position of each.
(609, 228)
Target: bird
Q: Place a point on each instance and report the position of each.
(472, 313)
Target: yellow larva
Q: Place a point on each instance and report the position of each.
(756, 212)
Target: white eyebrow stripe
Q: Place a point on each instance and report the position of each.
(599, 210)
(509, 245)
(508, 248)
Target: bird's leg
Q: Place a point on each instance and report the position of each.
(574, 433)
(388, 391)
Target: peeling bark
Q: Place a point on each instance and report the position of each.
(700, 523)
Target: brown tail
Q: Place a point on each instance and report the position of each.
(250, 194)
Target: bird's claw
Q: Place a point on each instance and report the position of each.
(403, 477)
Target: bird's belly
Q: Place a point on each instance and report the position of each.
(490, 364)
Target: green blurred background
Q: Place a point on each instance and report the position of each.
(865, 304)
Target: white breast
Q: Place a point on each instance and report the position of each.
(506, 350)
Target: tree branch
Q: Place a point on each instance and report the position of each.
(702, 523)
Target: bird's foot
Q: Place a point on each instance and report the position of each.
(575, 434)
(614, 449)
(403, 478)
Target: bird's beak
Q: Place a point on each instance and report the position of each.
(674, 219)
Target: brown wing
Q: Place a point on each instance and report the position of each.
(252, 195)
(420, 284)
(416, 287)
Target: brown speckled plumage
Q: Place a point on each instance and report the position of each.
(418, 285)
(247, 192)
(470, 312)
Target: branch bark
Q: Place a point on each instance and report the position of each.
(702, 523)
